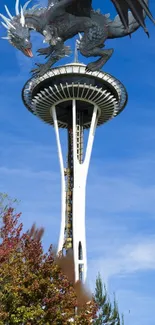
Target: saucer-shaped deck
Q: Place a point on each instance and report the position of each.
(60, 85)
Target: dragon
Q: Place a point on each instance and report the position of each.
(63, 19)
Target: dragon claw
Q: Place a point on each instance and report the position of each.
(44, 51)
(40, 71)
(87, 69)
(55, 55)
(38, 64)
(97, 65)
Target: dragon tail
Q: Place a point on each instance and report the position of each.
(117, 29)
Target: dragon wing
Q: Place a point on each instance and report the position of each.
(137, 8)
(80, 8)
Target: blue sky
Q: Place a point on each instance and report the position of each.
(120, 209)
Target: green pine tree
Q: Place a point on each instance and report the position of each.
(108, 313)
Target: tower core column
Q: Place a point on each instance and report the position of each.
(73, 186)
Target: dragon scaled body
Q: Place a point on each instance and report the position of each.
(63, 19)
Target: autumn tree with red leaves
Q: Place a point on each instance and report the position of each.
(33, 288)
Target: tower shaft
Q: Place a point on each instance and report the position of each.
(68, 244)
(73, 181)
(69, 173)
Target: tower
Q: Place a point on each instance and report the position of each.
(75, 99)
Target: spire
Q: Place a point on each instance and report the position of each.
(76, 52)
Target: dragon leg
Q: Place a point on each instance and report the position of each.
(47, 51)
(56, 55)
(104, 57)
(92, 44)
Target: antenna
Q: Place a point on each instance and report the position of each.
(76, 51)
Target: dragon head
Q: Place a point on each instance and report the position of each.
(20, 38)
(18, 32)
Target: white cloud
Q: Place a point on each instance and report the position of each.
(122, 259)
(132, 190)
(143, 254)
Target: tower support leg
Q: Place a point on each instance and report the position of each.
(80, 171)
(63, 182)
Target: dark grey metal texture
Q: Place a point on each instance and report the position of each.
(63, 19)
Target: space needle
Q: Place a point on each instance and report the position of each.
(72, 98)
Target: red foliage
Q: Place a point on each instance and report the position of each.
(37, 288)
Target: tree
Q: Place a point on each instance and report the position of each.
(38, 288)
(107, 314)
(33, 289)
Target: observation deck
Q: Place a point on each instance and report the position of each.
(61, 84)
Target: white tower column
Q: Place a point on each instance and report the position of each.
(63, 182)
(80, 172)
